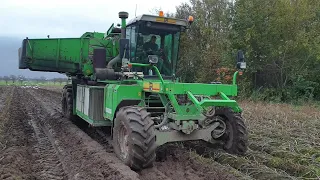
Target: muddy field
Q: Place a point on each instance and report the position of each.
(36, 142)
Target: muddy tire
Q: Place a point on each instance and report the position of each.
(134, 139)
(235, 139)
(67, 104)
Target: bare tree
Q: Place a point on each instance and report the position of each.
(43, 79)
(13, 78)
(55, 80)
(60, 80)
(6, 79)
(21, 78)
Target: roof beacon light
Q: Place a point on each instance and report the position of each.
(190, 19)
(161, 13)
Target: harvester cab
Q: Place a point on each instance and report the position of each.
(155, 38)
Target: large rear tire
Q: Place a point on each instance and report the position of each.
(236, 136)
(134, 139)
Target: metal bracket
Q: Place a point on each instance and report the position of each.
(174, 136)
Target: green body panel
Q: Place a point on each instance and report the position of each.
(115, 94)
(170, 87)
(67, 55)
(58, 55)
(201, 89)
(118, 91)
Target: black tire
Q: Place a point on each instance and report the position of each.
(67, 104)
(64, 104)
(135, 126)
(235, 138)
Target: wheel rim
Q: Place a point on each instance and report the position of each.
(123, 141)
(220, 130)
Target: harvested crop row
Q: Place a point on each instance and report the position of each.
(253, 169)
(284, 137)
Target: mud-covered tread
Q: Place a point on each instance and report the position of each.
(147, 141)
(151, 150)
(239, 144)
(146, 128)
(67, 103)
(137, 120)
(142, 143)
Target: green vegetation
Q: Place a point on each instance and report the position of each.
(281, 39)
(23, 81)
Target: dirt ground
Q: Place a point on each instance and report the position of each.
(36, 142)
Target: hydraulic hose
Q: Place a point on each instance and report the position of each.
(165, 118)
(163, 122)
(113, 61)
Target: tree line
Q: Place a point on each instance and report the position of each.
(21, 79)
(280, 38)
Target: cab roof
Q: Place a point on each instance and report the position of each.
(159, 19)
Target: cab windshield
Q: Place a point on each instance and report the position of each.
(162, 43)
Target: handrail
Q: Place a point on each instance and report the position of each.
(234, 80)
(148, 65)
(214, 102)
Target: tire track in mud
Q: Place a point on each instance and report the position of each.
(29, 154)
(5, 93)
(49, 159)
(48, 164)
(99, 134)
(16, 153)
(83, 157)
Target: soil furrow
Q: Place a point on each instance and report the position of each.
(5, 93)
(51, 166)
(19, 154)
(83, 157)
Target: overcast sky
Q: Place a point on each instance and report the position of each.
(70, 18)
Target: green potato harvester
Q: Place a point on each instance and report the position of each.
(125, 79)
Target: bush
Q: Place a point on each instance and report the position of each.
(299, 90)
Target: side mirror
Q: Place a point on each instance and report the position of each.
(241, 64)
(124, 48)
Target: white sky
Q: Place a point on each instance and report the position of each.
(70, 18)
